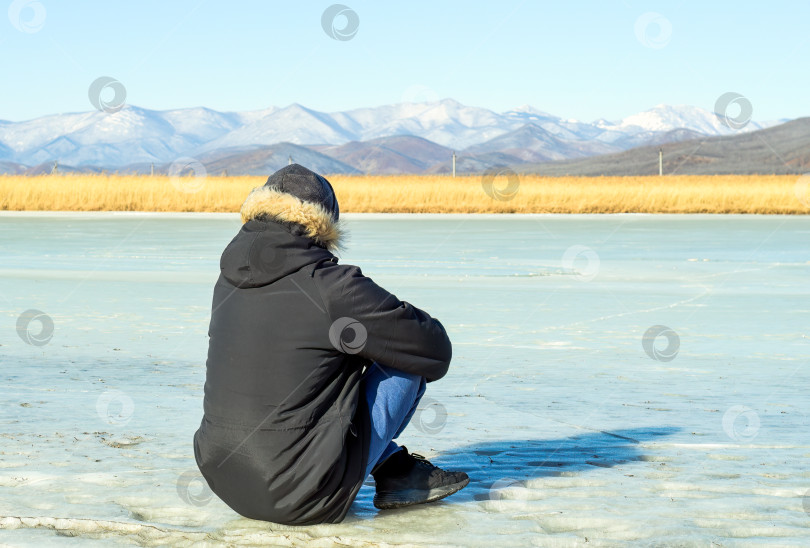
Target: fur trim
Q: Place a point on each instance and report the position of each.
(284, 207)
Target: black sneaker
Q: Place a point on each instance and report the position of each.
(406, 478)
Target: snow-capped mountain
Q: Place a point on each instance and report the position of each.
(667, 117)
(137, 135)
(446, 122)
(534, 143)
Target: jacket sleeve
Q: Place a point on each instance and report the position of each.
(383, 328)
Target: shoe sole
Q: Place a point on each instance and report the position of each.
(410, 497)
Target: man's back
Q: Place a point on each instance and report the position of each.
(287, 430)
(280, 401)
(286, 434)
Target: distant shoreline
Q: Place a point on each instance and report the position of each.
(349, 216)
(493, 194)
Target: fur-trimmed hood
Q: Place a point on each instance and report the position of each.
(268, 204)
(273, 345)
(290, 222)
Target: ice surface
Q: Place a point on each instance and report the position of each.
(570, 432)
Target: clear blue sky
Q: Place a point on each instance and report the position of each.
(574, 59)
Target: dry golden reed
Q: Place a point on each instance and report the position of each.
(421, 194)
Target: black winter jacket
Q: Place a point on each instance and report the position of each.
(285, 432)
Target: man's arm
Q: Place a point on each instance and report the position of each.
(397, 334)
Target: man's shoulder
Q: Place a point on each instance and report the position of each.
(333, 269)
(346, 282)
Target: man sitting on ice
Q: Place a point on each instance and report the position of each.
(313, 369)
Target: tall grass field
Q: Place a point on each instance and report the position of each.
(787, 194)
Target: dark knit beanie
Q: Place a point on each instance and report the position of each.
(306, 185)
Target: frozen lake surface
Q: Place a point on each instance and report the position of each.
(574, 429)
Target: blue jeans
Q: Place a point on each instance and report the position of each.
(392, 397)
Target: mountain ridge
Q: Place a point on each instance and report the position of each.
(369, 139)
(781, 149)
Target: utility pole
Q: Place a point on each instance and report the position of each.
(55, 168)
(454, 163)
(289, 163)
(661, 161)
(152, 169)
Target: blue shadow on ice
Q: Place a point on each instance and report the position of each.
(500, 464)
(504, 462)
